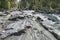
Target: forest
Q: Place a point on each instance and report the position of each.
(29, 4)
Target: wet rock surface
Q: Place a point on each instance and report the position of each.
(29, 25)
